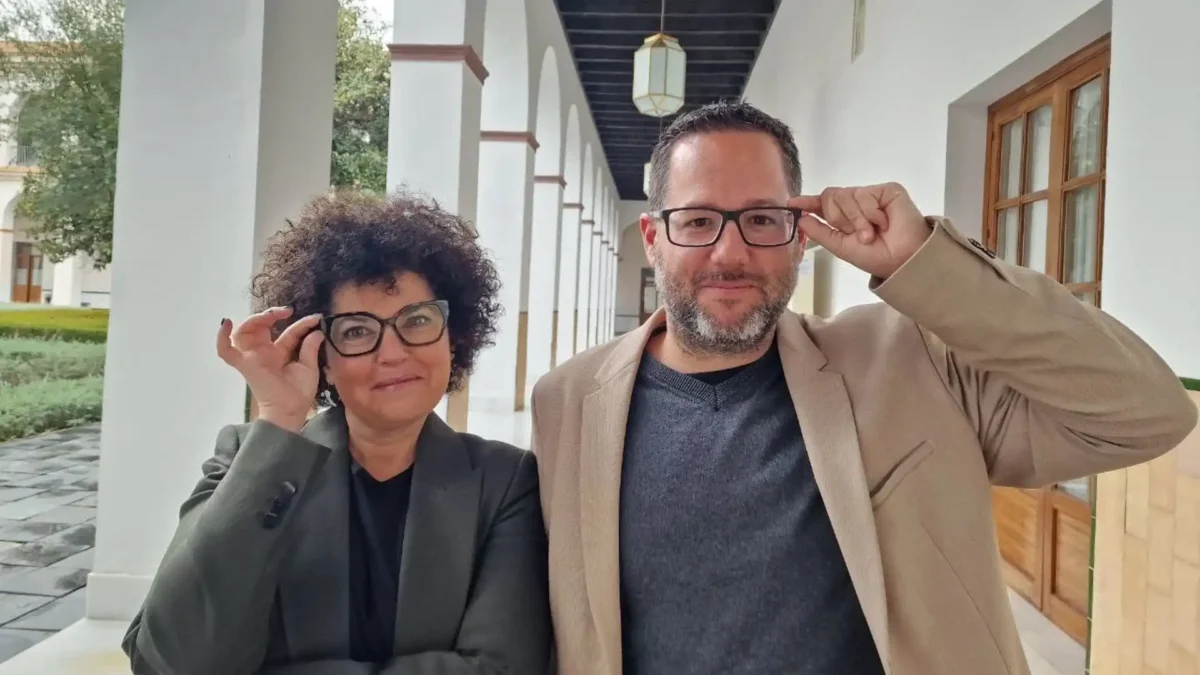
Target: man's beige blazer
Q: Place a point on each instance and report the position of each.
(971, 373)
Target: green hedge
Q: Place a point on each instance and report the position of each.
(1191, 383)
(26, 360)
(49, 405)
(48, 384)
(79, 325)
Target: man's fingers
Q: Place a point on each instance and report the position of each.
(225, 349)
(808, 204)
(824, 235)
(853, 216)
(310, 349)
(868, 203)
(291, 337)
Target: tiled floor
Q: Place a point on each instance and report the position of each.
(47, 529)
(47, 513)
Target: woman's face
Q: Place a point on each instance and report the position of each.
(396, 383)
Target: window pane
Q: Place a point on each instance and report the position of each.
(1080, 488)
(1010, 158)
(1085, 128)
(1007, 229)
(1079, 234)
(1086, 297)
(1037, 169)
(1035, 235)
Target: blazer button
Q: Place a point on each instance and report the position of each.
(279, 505)
(986, 251)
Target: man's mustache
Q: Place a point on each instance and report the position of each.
(732, 276)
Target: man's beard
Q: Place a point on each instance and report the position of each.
(700, 333)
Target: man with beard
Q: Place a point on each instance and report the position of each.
(733, 488)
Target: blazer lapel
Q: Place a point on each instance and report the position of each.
(438, 551)
(315, 593)
(602, 443)
(827, 423)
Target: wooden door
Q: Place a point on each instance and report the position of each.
(649, 295)
(1045, 206)
(27, 276)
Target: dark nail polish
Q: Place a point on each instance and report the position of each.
(224, 321)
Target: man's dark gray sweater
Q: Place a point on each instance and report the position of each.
(728, 560)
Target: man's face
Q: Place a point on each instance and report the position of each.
(725, 298)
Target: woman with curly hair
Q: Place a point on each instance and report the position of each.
(371, 538)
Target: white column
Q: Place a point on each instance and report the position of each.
(68, 282)
(582, 302)
(8, 259)
(506, 159)
(597, 273)
(433, 124)
(543, 276)
(568, 281)
(227, 108)
(609, 316)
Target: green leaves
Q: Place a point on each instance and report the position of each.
(65, 68)
(361, 100)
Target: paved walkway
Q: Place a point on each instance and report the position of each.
(47, 530)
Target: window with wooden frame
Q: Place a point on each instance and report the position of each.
(1046, 172)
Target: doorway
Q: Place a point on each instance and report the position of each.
(1044, 198)
(27, 275)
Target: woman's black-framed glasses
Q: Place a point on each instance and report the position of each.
(759, 226)
(359, 333)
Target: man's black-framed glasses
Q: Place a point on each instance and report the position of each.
(759, 225)
(358, 333)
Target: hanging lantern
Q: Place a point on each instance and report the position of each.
(659, 68)
(646, 179)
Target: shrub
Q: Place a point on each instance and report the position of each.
(26, 360)
(49, 405)
(1191, 383)
(79, 325)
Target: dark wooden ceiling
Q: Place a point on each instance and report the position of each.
(721, 38)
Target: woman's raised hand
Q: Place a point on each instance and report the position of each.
(284, 387)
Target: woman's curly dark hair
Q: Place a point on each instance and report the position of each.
(350, 237)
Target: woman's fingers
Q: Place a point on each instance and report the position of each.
(225, 349)
(290, 339)
(255, 331)
(310, 349)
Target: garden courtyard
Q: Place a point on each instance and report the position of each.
(51, 387)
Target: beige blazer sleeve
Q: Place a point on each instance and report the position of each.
(1056, 389)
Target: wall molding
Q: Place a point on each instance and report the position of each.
(551, 179)
(509, 137)
(448, 53)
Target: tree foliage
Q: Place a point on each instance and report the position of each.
(361, 100)
(62, 63)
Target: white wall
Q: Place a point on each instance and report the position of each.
(912, 108)
(629, 272)
(885, 116)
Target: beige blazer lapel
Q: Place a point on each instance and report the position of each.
(827, 423)
(314, 595)
(602, 442)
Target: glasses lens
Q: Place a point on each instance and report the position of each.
(693, 227)
(768, 227)
(352, 335)
(421, 325)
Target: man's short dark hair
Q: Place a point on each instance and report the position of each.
(723, 116)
